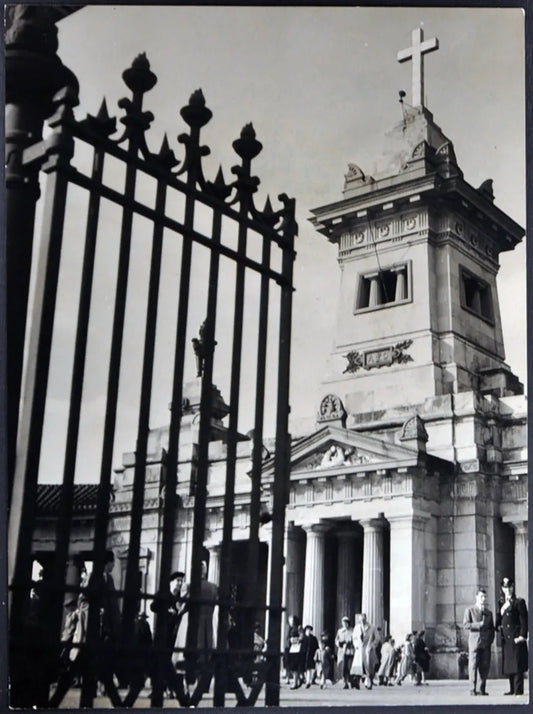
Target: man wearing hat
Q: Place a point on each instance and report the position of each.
(511, 620)
(480, 625)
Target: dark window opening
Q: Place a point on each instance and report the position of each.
(476, 296)
(384, 287)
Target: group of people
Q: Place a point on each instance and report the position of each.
(170, 604)
(512, 624)
(357, 655)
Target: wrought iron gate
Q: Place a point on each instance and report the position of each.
(274, 229)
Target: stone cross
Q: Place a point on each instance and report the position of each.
(416, 52)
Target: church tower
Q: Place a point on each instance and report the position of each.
(418, 314)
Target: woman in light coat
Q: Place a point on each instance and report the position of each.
(408, 659)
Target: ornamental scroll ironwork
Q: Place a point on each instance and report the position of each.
(376, 359)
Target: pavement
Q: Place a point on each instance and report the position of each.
(435, 692)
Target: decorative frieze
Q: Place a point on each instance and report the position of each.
(378, 358)
(471, 238)
(393, 229)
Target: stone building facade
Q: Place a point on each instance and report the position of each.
(413, 488)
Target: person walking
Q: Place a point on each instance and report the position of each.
(422, 657)
(324, 661)
(310, 646)
(480, 625)
(387, 661)
(408, 659)
(345, 651)
(512, 622)
(294, 651)
(170, 604)
(365, 638)
(98, 665)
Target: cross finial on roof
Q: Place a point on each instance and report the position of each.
(416, 52)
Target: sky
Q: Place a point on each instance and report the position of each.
(320, 86)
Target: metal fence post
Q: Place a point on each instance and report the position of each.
(34, 73)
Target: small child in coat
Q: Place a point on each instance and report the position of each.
(324, 661)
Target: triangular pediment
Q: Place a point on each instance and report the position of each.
(333, 449)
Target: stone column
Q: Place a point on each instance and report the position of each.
(214, 564)
(401, 285)
(374, 297)
(345, 574)
(407, 574)
(372, 601)
(313, 609)
(521, 558)
(291, 599)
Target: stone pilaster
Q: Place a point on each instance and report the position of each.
(372, 603)
(345, 604)
(407, 574)
(313, 608)
(521, 558)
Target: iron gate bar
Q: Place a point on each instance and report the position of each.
(206, 402)
(244, 195)
(64, 522)
(196, 114)
(24, 491)
(257, 452)
(118, 198)
(138, 85)
(196, 117)
(281, 460)
(130, 602)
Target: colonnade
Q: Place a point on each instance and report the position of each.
(310, 600)
(392, 562)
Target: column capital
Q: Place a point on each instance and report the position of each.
(317, 528)
(409, 520)
(265, 533)
(213, 547)
(519, 527)
(375, 524)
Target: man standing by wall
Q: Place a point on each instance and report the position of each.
(480, 624)
(511, 620)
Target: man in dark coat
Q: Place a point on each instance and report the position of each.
(170, 604)
(480, 625)
(511, 620)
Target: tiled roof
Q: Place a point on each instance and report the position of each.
(49, 495)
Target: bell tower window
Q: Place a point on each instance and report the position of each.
(476, 296)
(383, 288)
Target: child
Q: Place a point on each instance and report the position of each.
(324, 661)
